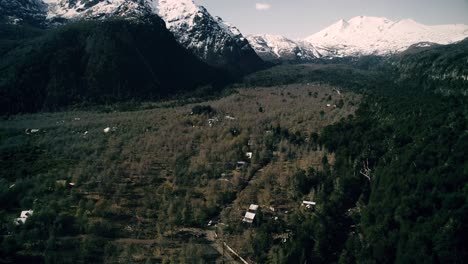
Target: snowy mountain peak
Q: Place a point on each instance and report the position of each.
(186, 13)
(174, 10)
(210, 38)
(341, 24)
(363, 35)
(362, 20)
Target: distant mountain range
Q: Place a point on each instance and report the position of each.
(209, 38)
(221, 44)
(359, 36)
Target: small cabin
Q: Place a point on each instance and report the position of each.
(249, 155)
(249, 218)
(250, 214)
(253, 207)
(23, 217)
(309, 204)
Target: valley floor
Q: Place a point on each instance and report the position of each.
(144, 189)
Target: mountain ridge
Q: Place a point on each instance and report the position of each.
(362, 35)
(208, 37)
(277, 48)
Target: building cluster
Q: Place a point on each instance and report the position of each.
(250, 214)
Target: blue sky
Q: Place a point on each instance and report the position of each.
(301, 18)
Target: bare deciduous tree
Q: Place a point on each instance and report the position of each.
(365, 170)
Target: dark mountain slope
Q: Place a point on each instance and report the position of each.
(32, 12)
(99, 62)
(443, 69)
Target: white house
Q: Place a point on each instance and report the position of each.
(249, 218)
(253, 207)
(23, 217)
(308, 204)
(250, 214)
(249, 155)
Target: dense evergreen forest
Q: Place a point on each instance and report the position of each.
(96, 62)
(398, 192)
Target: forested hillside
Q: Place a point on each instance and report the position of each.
(440, 68)
(96, 62)
(398, 192)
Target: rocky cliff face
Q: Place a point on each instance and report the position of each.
(210, 38)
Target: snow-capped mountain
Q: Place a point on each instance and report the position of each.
(210, 38)
(47, 12)
(356, 37)
(381, 36)
(85, 9)
(277, 48)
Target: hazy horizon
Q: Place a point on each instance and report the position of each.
(302, 18)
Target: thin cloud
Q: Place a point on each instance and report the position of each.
(262, 6)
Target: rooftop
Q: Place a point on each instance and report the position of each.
(253, 207)
(249, 217)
